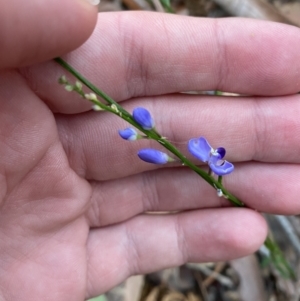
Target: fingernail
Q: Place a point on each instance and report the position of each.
(93, 2)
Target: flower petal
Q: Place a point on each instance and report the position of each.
(129, 134)
(143, 118)
(200, 148)
(221, 151)
(153, 156)
(215, 158)
(221, 169)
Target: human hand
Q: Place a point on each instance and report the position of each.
(72, 224)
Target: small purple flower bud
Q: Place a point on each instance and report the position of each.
(129, 134)
(143, 118)
(154, 156)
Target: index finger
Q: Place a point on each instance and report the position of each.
(138, 53)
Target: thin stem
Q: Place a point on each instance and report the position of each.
(152, 134)
(113, 107)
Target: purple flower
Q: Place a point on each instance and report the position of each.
(143, 118)
(201, 149)
(151, 155)
(129, 134)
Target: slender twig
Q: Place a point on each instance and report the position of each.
(118, 110)
(113, 107)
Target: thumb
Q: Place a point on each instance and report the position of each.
(34, 30)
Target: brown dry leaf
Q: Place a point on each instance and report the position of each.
(192, 297)
(217, 270)
(174, 296)
(132, 5)
(153, 295)
(205, 269)
(161, 293)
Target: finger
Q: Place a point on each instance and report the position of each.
(32, 31)
(175, 54)
(264, 187)
(170, 189)
(149, 243)
(261, 129)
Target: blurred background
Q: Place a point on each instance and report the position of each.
(252, 278)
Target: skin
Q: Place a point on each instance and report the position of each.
(74, 194)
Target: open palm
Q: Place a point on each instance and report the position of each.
(74, 195)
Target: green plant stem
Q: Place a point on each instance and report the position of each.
(278, 259)
(153, 134)
(276, 255)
